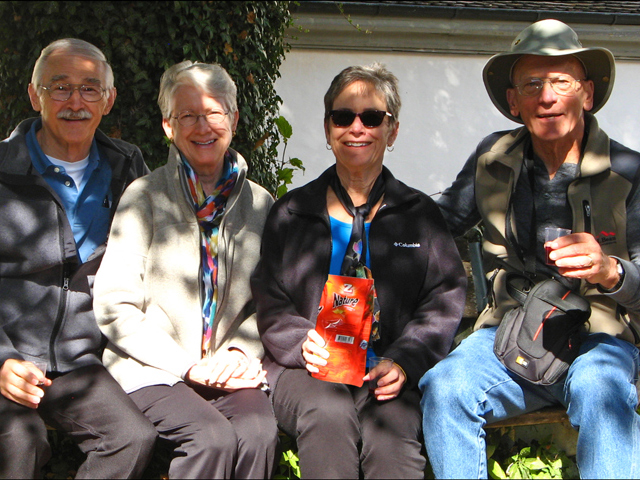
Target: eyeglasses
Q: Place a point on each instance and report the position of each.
(61, 92)
(369, 118)
(564, 85)
(189, 119)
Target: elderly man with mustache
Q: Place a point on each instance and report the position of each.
(60, 182)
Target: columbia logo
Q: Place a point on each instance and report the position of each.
(406, 245)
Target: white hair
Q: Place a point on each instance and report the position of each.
(72, 46)
(209, 77)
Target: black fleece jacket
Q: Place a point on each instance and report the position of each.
(419, 278)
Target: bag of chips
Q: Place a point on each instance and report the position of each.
(344, 321)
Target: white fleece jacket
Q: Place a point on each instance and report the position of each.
(147, 291)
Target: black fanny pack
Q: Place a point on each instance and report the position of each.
(539, 339)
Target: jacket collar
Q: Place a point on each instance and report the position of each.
(174, 164)
(312, 198)
(15, 158)
(509, 149)
(14, 153)
(174, 161)
(596, 156)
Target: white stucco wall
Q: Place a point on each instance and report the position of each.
(445, 110)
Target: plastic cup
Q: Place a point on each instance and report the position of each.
(42, 366)
(379, 366)
(550, 234)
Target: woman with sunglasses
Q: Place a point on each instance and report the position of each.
(396, 232)
(172, 294)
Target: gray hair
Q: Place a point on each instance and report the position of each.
(209, 77)
(72, 46)
(376, 75)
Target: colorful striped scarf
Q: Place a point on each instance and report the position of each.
(209, 211)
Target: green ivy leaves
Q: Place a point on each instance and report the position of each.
(141, 40)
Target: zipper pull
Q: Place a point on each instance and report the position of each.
(65, 285)
(586, 208)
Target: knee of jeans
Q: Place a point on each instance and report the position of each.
(444, 384)
(600, 389)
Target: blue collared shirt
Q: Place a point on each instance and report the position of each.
(88, 207)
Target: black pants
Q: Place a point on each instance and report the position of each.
(90, 406)
(339, 428)
(218, 435)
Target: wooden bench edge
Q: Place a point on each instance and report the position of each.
(538, 417)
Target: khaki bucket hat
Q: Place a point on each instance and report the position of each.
(549, 38)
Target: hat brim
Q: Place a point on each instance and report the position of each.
(599, 63)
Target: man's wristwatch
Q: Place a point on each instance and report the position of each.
(616, 287)
(620, 270)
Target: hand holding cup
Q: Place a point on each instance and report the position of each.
(378, 368)
(550, 234)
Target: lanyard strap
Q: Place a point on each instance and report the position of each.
(530, 254)
(356, 253)
(527, 253)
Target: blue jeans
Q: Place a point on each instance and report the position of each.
(471, 388)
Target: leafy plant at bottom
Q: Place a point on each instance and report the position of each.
(289, 466)
(539, 460)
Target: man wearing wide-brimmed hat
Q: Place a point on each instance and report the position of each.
(558, 170)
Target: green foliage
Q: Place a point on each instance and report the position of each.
(347, 17)
(285, 168)
(509, 459)
(289, 466)
(141, 40)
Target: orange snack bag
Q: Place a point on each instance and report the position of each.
(344, 321)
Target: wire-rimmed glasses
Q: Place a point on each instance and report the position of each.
(563, 85)
(61, 92)
(189, 119)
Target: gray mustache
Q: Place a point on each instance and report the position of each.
(71, 115)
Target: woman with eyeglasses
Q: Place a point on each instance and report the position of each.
(357, 215)
(173, 296)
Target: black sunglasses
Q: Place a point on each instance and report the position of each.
(369, 118)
